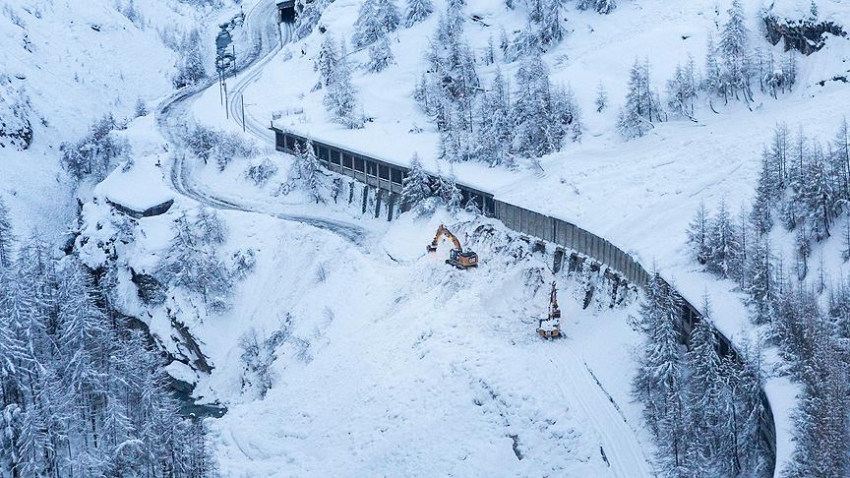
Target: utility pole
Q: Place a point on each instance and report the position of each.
(226, 108)
(234, 60)
(242, 100)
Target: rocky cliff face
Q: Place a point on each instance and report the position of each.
(805, 36)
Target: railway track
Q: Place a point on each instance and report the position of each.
(175, 112)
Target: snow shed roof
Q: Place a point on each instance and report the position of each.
(139, 192)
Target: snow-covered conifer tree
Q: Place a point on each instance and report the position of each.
(681, 90)
(375, 18)
(601, 101)
(417, 184)
(762, 281)
(6, 236)
(380, 55)
(531, 110)
(416, 11)
(494, 128)
(724, 247)
(698, 235)
(447, 190)
(600, 6)
(642, 106)
(306, 171)
(327, 60)
(341, 96)
(734, 47)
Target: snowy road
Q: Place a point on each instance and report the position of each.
(619, 443)
(174, 112)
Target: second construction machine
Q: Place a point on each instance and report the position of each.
(550, 327)
(457, 256)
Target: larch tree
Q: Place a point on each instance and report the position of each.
(6, 236)
(380, 55)
(417, 11)
(734, 47)
(376, 17)
(341, 95)
(417, 184)
(642, 106)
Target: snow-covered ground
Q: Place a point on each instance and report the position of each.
(396, 364)
(77, 61)
(639, 194)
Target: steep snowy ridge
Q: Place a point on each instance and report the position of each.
(382, 360)
(77, 61)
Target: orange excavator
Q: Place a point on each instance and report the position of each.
(457, 257)
(550, 327)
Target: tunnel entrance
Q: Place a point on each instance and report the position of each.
(286, 11)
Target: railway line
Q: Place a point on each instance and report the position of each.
(576, 242)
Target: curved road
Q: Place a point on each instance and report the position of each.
(174, 113)
(619, 441)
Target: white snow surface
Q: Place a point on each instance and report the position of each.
(638, 194)
(76, 61)
(398, 365)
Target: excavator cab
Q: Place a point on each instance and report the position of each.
(550, 327)
(462, 259)
(457, 256)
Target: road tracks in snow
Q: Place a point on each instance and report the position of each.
(619, 445)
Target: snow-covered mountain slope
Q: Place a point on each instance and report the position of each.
(75, 62)
(389, 363)
(639, 194)
(407, 367)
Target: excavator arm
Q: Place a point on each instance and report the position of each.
(443, 231)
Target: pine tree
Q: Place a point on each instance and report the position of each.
(417, 11)
(564, 117)
(818, 195)
(306, 171)
(707, 396)
(681, 90)
(845, 242)
(603, 7)
(417, 183)
(532, 111)
(762, 281)
(734, 46)
(698, 235)
(380, 55)
(724, 246)
(6, 236)
(601, 101)
(840, 158)
(376, 17)
(494, 125)
(327, 60)
(341, 96)
(551, 31)
(642, 106)
(447, 190)
(766, 194)
(713, 82)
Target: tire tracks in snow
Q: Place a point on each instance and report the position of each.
(619, 446)
(174, 112)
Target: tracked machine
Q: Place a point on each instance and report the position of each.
(550, 327)
(457, 256)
